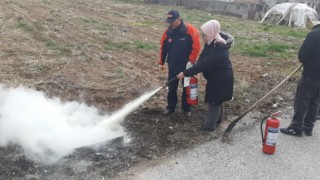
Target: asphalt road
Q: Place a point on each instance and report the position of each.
(295, 158)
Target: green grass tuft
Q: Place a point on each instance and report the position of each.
(272, 50)
(48, 2)
(129, 46)
(143, 45)
(25, 26)
(284, 31)
(111, 45)
(40, 67)
(51, 43)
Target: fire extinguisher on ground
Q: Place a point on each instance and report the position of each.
(192, 91)
(269, 138)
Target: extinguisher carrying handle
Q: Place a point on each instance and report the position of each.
(277, 114)
(261, 128)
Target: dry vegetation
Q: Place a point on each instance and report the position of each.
(105, 53)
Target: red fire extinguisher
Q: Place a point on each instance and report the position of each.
(269, 139)
(192, 91)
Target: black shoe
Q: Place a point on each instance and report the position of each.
(188, 113)
(307, 132)
(168, 112)
(219, 123)
(206, 129)
(291, 131)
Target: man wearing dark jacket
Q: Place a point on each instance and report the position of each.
(307, 100)
(180, 44)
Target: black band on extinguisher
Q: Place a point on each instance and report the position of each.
(261, 128)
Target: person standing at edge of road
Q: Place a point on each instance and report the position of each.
(180, 44)
(216, 67)
(307, 99)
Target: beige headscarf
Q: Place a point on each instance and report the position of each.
(212, 30)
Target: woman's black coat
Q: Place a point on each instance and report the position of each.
(216, 67)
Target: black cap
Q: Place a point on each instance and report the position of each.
(172, 16)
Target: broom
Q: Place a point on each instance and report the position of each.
(234, 122)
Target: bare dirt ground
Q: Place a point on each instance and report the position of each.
(105, 53)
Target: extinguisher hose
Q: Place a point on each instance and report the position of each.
(168, 82)
(261, 127)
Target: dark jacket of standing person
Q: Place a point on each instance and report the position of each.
(309, 54)
(215, 64)
(179, 46)
(307, 98)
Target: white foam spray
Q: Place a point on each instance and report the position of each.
(48, 129)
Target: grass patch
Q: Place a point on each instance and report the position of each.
(29, 27)
(119, 14)
(10, 52)
(25, 26)
(87, 21)
(146, 24)
(62, 50)
(94, 23)
(40, 67)
(120, 72)
(111, 45)
(38, 26)
(284, 31)
(51, 43)
(143, 45)
(272, 50)
(301, 34)
(129, 46)
(35, 29)
(48, 2)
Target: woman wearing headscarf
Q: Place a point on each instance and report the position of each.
(216, 67)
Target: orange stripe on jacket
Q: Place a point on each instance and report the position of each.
(163, 39)
(196, 45)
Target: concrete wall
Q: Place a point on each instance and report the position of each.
(253, 11)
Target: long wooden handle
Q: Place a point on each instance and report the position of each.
(234, 122)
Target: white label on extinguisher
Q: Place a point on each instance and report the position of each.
(193, 91)
(187, 79)
(272, 136)
(186, 82)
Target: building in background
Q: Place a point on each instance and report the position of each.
(247, 9)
